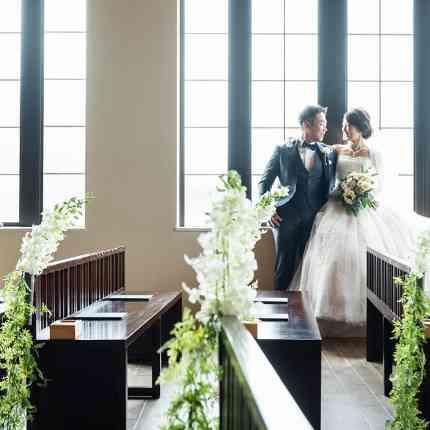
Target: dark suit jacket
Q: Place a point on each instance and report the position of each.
(284, 164)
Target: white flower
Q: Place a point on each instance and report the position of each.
(225, 268)
(39, 245)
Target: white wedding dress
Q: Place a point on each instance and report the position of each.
(333, 270)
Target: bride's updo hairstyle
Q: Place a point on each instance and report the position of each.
(360, 119)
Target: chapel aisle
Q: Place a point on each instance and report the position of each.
(352, 391)
(352, 388)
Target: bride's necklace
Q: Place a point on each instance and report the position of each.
(356, 148)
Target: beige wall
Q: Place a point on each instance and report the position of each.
(132, 146)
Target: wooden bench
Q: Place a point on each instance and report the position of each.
(252, 396)
(293, 348)
(87, 377)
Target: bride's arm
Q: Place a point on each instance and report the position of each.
(377, 164)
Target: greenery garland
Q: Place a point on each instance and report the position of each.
(225, 270)
(409, 356)
(18, 352)
(192, 353)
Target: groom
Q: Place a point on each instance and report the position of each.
(308, 168)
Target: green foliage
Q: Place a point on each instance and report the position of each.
(409, 357)
(193, 362)
(17, 355)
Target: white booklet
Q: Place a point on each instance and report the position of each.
(271, 299)
(272, 317)
(87, 315)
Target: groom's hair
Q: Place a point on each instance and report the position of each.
(310, 112)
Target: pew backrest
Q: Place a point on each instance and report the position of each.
(67, 286)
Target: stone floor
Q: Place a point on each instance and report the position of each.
(352, 391)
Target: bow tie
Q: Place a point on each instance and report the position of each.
(311, 145)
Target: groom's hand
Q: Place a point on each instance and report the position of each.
(276, 220)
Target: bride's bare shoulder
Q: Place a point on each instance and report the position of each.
(341, 149)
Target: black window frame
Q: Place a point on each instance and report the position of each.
(31, 115)
(332, 90)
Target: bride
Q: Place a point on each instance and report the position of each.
(333, 272)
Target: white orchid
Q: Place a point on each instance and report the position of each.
(39, 245)
(225, 268)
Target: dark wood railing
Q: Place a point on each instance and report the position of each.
(68, 286)
(252, 396)
(381, 271)
(383, 308)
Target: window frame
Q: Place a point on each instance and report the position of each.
(332, 82)
(31, 114)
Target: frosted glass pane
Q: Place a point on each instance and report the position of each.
(264, 142)
(397, 16)
(267, 57)
(64, 102)
(9, 151)
(397, 58)
(206, 16)
(57, 188)
(206, 150)
(267, 104)
(64, 150)
(267, 16)
(10, 15)
(301, 57)
(206, 56)
(365, 95)
(65, 15)
(363, 16)
(396, 104)
(297, 96)
(10, 49)
(198, 193)
(206, 104)
(400, 186)
(9, 196)
(9, 103)
(65, 55)
(397, 147)
(301, 16)
(363, 58)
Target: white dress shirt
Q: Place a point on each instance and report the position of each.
(307, 155)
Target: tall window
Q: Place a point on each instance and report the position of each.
(42, 106)
(204, 88)
(380, 78)
(10, 49)
(64, 100)
(284, 78)
(284, 73)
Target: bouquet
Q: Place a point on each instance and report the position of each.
(355, 191)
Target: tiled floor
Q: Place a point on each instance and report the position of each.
(352, 391)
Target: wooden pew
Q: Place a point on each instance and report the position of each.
(87, 377)
(383, 308)
(252, 395)
(67, 286)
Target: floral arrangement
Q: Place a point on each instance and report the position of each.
(17, 350)
(409, 356)
(225, 273)
(355, 191)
